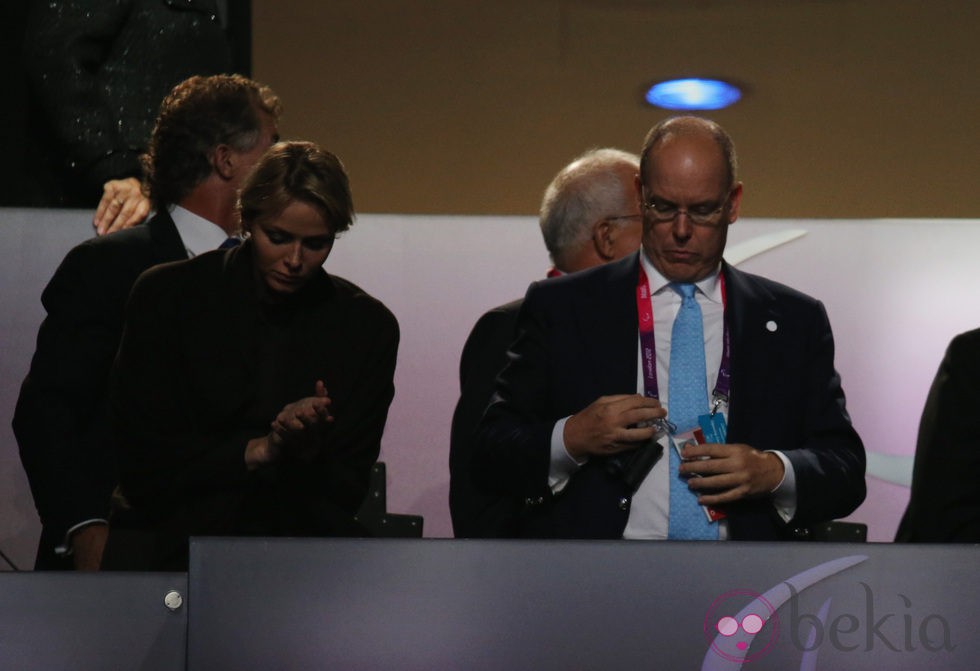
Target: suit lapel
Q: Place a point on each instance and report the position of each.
(751, 313)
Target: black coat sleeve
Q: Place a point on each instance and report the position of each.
(476, 514)
(60, 418)
(945, 499)
(513, 441)
(828, 458)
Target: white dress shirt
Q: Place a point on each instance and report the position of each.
(197, 233)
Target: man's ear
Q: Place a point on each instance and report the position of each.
(602, 239)
(223, 161)
(736, 203)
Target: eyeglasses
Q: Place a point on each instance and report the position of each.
(700, 215)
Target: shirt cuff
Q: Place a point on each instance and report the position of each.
(784, 494)
(562, 466)
(65, 549)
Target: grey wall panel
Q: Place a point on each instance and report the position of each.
(32, 244)
(92, 621)
(429, 604)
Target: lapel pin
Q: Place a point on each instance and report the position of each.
(771, 326)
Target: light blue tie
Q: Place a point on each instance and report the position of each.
(688, 398)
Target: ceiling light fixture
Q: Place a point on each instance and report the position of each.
(692, 94)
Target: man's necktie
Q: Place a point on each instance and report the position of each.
(688, 398)
(233, 241)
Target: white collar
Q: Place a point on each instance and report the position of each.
(710, 287)
(198, 234)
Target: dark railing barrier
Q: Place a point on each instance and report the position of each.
(459, 604)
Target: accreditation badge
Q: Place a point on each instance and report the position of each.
(711, 429)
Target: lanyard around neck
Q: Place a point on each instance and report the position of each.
(648, 345)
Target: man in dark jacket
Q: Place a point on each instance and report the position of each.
(209, 134)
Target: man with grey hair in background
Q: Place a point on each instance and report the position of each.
(590, 215)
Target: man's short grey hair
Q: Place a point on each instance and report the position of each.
(585, 191)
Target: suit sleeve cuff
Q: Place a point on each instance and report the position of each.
(784, 494)
(65, 549)
(562, 466)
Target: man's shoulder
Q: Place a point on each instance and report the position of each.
(120, 244)
(965, 344)
(750, 286)
(502, 315)
(143, 243)
(967, 338)
(496, 325)
(107, 266)
(606, 277)
(511, 308)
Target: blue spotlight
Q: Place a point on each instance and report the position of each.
(693, 94)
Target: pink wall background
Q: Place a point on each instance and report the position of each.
(896, 291)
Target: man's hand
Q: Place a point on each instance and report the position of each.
(123, 205)
(732, 472)
(608, 425)
(87, 545)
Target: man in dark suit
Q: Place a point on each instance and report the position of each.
(567, 427)
(210, 132)
(590, 215)
(944, 506)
